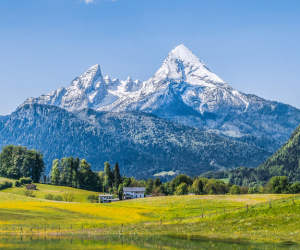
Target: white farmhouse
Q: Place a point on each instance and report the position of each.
(133, 192)
(106, 198)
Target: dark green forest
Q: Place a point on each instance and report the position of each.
(284, 162)
(18, 161)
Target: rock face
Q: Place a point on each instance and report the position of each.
(184, 90)
(142, 143)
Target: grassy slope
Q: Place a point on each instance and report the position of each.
(261, 223)
(43, 189)
(181, 215)
(3, 179)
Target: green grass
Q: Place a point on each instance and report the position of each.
(43, 189)
(180, 215)
(278, 223)
(3, 179)
(170, 215)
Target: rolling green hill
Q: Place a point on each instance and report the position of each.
(284, 162)
(43, 189)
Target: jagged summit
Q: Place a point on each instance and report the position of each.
(184, 90)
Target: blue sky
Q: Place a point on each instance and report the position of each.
(44, 44)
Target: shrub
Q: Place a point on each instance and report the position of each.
(69, 197)
(182, 189)
(279, 185)
(295, 188)
(6, 184)
(213, 186)
(17, 184)
(58, 198)
(235, 190)
(29, 192)
(115, 196)
(244, 190)
(49, 197)
(253, 190)
(92, 198)
(25, 180)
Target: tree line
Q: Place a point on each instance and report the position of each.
(18, 161)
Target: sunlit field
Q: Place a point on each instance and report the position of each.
(43, 189)
(224, 216)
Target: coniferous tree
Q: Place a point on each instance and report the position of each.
(70, 171)
(157, 182)
(117, 175)
(33, 165)
(87, 175)
(55, 174)
(64, 171)
(75, 181)
(108, 176)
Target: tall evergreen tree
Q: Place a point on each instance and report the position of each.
(117, 175)
(55, 174)
(157, 182)
(76, 173)
(108, 175)
(64, 171)
(33, 165)
(70, 171)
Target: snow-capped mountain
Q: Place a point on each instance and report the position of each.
(184, 90)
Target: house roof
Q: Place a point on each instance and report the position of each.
(134, 189)
(105, 195)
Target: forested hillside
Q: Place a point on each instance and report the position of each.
(285, 162)
(143, 144)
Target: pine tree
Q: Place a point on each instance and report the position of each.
(108, 176)
(75, 180)
(70, 171)
(33, 165)
(64, 171)
(157, 182)
(55, 177)
(117, 175)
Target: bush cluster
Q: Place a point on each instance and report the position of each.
(93, 198)
(17, 184)
(25, 180)
(53, 197)
(29, 192)
(6, 184)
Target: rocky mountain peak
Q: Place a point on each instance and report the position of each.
(89, 79)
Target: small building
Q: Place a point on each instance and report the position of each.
(113, 200)
(106, 198)
(133, 192)
(31, 187)
(103, 198)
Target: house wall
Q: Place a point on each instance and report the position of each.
(135, 194)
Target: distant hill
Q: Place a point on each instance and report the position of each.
(142, 143)
(285, 161)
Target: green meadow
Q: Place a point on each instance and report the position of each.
(257, 217)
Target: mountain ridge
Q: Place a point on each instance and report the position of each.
(142, 143)
(183, 90)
